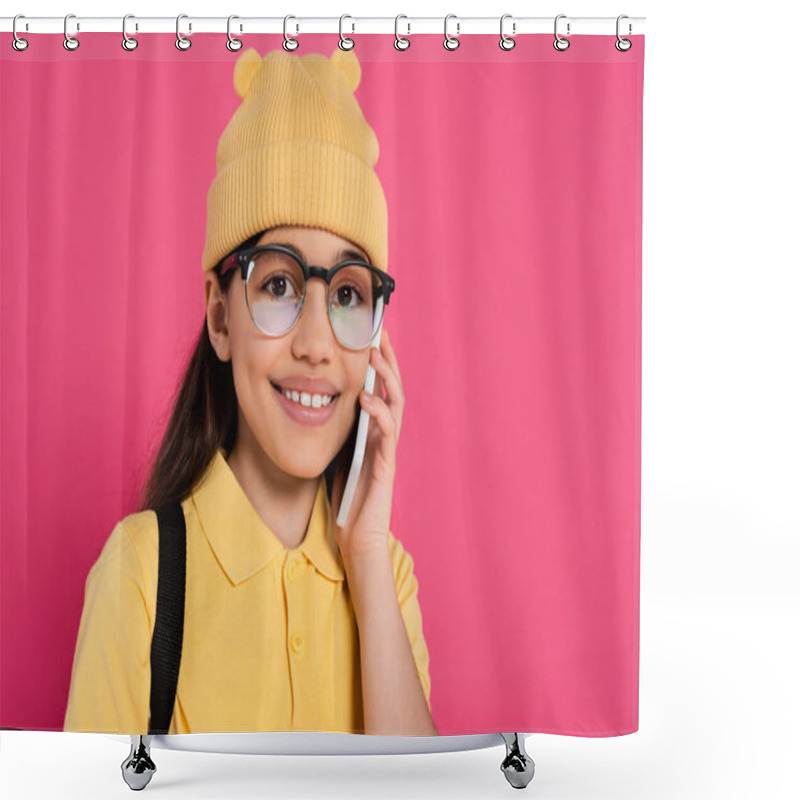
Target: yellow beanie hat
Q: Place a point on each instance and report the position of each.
(297, 151)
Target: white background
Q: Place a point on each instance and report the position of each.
(719, 694)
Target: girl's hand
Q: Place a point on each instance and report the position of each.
(369, 518)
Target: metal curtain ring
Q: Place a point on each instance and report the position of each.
(561, 43)
(289, 42)
(506, 42)
(451, 42)
(233, 44)
(128, 42)
(345, 43)
(182, 43)
(623, 45)
(18, 43)
(70, 42)
(400, 42)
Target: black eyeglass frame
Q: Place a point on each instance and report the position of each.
(242, 258)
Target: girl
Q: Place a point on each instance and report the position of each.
(291, 621)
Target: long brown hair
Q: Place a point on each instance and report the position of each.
(204, 418)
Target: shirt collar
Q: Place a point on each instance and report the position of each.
(242, 542)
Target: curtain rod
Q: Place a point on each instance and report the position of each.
(407, 26)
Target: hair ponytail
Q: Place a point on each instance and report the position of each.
(203, 418)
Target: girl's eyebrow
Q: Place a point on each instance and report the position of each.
(344, 255)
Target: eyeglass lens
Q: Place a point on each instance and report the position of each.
(275, 291)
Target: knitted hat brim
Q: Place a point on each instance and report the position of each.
(266, 188)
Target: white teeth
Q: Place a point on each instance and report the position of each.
(306, 399)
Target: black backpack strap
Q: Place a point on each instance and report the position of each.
(165, 651)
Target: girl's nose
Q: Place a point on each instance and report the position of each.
(314, 316)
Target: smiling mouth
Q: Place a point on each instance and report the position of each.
(321, 394)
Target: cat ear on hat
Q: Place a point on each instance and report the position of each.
(347, 63)
(247, 66)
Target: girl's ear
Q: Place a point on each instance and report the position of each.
(217, 317)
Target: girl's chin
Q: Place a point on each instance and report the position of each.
(303, 469)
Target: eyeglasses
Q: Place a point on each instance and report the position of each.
(275, 291)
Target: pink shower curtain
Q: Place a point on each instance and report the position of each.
(513, 182)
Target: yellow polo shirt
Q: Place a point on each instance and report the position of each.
(270, 641)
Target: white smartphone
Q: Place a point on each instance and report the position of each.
(361, 440)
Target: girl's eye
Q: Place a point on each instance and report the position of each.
(347, 297)
(278, 286)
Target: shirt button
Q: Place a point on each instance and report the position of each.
(297, 643)
(291, 572)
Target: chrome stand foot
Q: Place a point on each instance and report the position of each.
(517, 766)
(138, 767)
